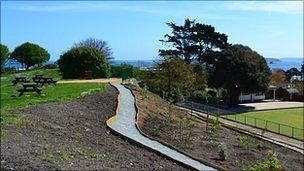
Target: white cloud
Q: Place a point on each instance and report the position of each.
(180, 10)
(290, 7)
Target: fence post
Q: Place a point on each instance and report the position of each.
(255, 122)
(292, 131)
(245, 119)
(266, 124)
(279, 128)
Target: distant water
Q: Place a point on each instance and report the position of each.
(286, 63)
(283, 63)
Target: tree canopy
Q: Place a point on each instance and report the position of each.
(194, 42)
(240, 69)
(98, 44)
(76, 61)
(30, 54)
(291, 72)
(4, 52)
(278, 77)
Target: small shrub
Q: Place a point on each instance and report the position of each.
(215, 126)
(245, 141)
(272, 163)
(260, 145)
(223, 152)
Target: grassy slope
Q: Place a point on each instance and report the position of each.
(291, 117)
(50, 93)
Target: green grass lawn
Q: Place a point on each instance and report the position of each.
(286, 117)
(50, 93)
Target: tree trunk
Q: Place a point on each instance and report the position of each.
(233, 98)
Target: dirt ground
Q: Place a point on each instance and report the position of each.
(160, 121)
(72, 136)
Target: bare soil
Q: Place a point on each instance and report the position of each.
(72, 136)
(159, 120)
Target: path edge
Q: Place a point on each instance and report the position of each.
(205, 162)
(113, 117)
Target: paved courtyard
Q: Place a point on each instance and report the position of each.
(265, 105)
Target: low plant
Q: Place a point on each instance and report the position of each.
(223, 152)
(272, 163)
(245, 141)
(260, 145)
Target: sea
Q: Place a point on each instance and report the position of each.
(273, 63)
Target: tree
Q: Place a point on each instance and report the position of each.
(194, 41)
(278, 77)
(4, 55)
(76, 61)
(176, 76)
(98, 44)
(291, 72)
(240, 69)
(30, 54)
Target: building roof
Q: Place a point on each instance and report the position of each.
(292, 90)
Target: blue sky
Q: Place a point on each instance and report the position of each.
(133, 29)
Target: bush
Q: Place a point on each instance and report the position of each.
(50, 66)
(116, 70)
(76, 61)
(223, 152)
(272, 163)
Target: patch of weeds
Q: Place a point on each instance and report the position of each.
(49, 158)
(271, 163)
(241, 165)
(260, 145)
(66, 155)
(245, 141)
(90, 91)
(3, 134)
(71, 120)
(86, 154)
(223, 152)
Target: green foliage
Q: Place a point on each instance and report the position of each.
(223, 152)
(50, 66)
(76, 61)
(240, 69)
(4, 53)
(175, 76)
(186, 125)
(215, 126)
(200, 96)
(116, 70)
(245, 140)
(193, 41)
(260, 145)
(97, 44)
(30, 54)
(291, 72)
(272, 163)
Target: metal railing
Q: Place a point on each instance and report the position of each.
(275, 127)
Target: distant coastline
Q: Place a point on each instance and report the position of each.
(283, 63)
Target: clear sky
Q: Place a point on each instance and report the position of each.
(133, 29)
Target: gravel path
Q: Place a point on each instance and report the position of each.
(73, 136)
(124, 123)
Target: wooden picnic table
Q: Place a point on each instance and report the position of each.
(29, 87)
(44, 80)
(20, 79)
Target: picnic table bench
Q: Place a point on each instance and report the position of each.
(44, 80)
(20, 80)
(29, 87)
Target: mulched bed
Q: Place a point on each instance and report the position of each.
(156, 121)
(73, 136)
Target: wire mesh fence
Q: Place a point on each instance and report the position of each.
(279, 128)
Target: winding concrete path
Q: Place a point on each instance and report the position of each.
(124, 123)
